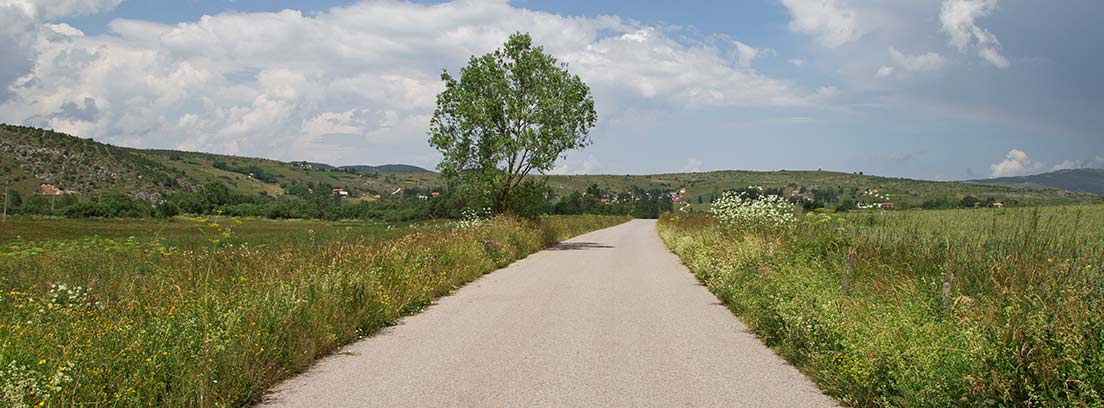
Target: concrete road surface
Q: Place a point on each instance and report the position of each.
(610, 318)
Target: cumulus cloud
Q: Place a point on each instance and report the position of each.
(829, 21)
(693, 165)
(917, 63)
(1095, 163)
(904, 63)
(55, 9)
(959, 19)
(571, 166)
(326, 86)
(1016, 163)
(1070, 165)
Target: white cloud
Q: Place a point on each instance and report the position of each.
(1097, 162)
(276, 84)
(798, 62)
(832, 23)
(1069, 165)
(746, 54)
(693, 165)
(885, 71)
(959, 19)
(904, 64)
(1016, 163)
(994, 58)
(917, 63)
(590, 165)
(55, 9)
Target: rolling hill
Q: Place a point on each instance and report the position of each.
(386, 168)
(1080, 180)
(30, 157)
(366, 169)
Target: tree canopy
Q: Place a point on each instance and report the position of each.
(513, 111)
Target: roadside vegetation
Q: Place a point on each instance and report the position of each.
(991, 307)
(216, 317)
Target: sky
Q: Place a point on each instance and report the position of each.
(929, 89)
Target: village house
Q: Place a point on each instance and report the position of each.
(340, 192)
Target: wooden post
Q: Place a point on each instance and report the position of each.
(7, 183)
(948, 280)
(847, 271)
(5, 220)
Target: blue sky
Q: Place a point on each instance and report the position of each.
(934, 89)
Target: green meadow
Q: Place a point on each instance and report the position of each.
(213, 311)
(986, 307)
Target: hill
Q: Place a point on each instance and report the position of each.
(1080, 180)
(386, 168)
(31, 157)
(829, 186)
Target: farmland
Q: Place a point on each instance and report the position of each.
(934, 308)
(212, 311)
(90, 170)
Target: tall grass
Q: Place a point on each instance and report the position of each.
(130, 322)
(1023, 323)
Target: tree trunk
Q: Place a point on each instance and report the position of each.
(504, 200)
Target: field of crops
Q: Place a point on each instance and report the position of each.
(211, 312)
(983, 307)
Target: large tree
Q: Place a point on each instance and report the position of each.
(512, 112)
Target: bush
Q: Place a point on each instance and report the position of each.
(166, 210)
(739, 209)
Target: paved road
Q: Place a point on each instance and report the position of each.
(609, 318)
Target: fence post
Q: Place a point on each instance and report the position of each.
(948, 280)
(5, 221)
(847, 271)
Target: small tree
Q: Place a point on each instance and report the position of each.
(513, 111)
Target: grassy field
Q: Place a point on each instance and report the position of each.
(943, 308)
(213, 312)
(190, 231)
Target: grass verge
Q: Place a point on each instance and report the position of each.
(944, 308)
(99, 321)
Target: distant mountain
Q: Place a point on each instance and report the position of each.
(1078, 180)
(386, 168)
